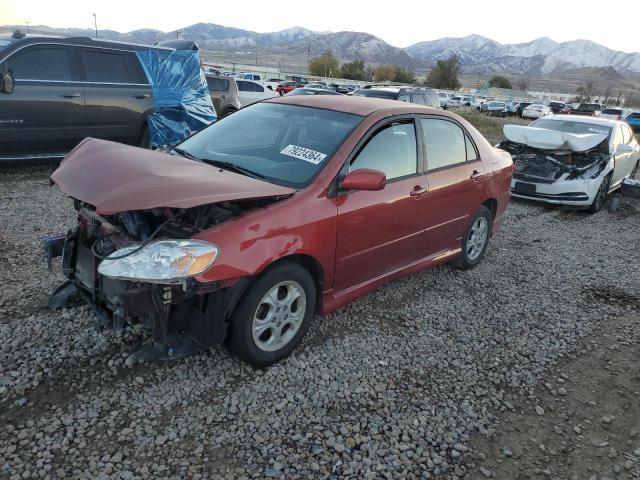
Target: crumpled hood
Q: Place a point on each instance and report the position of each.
(114, 178)
(552, 139)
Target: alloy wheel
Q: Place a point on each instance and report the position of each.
(477, 238)
(279, 316)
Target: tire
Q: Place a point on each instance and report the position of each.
(257, 328)
(145, 138)
(227, 112)
(473, 250)
(601, 195)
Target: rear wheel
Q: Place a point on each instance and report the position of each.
(601, 195)
(145, 138)
(476, 239)
(273, 316)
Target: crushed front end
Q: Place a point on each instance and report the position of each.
(557, 176)
(182, 315)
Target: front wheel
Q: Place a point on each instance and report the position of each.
(476, 239)
(273, 316)
(601, 195)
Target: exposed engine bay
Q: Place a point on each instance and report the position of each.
(549, 165)
(182, 317)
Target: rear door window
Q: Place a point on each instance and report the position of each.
(105, 66)
(42, 63)
(445, 142)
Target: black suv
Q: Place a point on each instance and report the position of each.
(57, 91)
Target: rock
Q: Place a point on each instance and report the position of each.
(486, 472)
(539, 410)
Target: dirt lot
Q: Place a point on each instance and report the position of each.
(524, 367)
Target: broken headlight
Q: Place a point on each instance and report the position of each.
(163, 261)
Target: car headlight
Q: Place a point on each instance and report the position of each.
(163, 261)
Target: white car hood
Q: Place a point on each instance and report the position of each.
(552, 139)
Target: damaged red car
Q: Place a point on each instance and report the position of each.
(292, 207)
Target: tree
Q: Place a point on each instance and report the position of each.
(325, 65)
(585, 92)
(386, 72)
(405, 75)
(445, 74)
(353, 70)
(498, 81)
(522, 83)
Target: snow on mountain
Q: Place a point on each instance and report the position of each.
(542, 55)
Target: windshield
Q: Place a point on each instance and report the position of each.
(377, 93)
(571, 126)
(612, 111)
(284, 144)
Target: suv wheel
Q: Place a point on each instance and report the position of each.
(145, 138)
(273, 316)
(476, 239)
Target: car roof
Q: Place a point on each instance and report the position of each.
(582, 119)
(362, 106)
(29, 39)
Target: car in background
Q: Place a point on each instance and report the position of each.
(570, 159)
(521, 106)
(224, 94)
(311, 91)
(318, 85)
(536, 110)
(497, 108)
(57, 91)
(443, 99)
(556, 107)
(421, 96)
(633, 120)
(589, 109)
(615, 113)
(252, 92)
(289, 208)
(566, 109)
(285, 87)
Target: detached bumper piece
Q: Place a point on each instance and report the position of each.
(182, 319)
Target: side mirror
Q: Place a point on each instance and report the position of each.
(7, 83)
(623, 148)
(364, 179)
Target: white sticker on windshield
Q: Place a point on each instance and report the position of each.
(305, 154)
(597, 130)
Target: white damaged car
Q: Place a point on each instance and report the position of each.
(571, 160)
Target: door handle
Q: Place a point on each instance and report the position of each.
(69, 95)
(475, 175)
(141, 95)
(418, 191)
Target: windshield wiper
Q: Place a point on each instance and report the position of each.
(232, 167)
(184, 153)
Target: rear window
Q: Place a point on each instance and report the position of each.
(217, 84)
(612, 111)
(634, 115)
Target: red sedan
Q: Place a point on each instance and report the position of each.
(288, 208)
(285, 87)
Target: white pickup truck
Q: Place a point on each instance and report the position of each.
(256, 77)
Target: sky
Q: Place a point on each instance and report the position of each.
(399, 23)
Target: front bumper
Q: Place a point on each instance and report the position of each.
(193, 310)
(578, 192)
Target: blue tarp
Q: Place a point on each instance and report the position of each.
(181, 97)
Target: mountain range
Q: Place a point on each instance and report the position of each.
(477, 54)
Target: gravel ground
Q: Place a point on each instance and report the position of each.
(400, 384)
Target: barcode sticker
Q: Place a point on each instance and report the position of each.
(305, 154)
